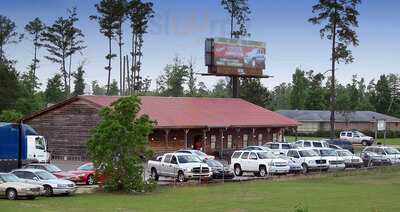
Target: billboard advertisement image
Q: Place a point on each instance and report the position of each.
(238, 56)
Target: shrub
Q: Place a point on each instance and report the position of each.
(119, 145)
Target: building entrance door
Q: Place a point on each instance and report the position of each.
(198, 142)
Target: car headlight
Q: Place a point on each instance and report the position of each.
(81, 175)
(25, 189)
(312, 162)
(188, 169)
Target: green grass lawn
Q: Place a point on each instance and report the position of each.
(372, 190)
(389, 141)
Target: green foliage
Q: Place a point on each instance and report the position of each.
(172, 81)
(8, 85)
(79, 82)
(8, 35)
(280, 97)
(97, 89)
(119, 145)
(253, 91)
(383, 94)
(10, 116)
(298, 95)
(113, 88)
(221, 89)
(54, 91)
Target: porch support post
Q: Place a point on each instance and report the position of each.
(222, 144)
(237, 136)
(186, 138)
(205, 140)
(253, 136)
(166, 137)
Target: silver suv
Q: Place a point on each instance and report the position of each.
(356, 137)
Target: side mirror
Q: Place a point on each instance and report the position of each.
(35, 178)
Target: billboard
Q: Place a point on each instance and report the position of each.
(235, 57)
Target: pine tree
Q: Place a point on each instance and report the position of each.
(338, 18)
(383, 94)
(79, 82)
(108, 22)
(35, 29)
(55, 90)
(8, 35)
(114, 88)
(298, 95)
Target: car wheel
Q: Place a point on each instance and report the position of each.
(305, 168)
(364, 143)
(48, 191)
(181, 177)
(262, 171)
(11, 194)
(238, 170)
(90, 180)
(154, 174)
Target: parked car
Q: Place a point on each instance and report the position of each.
(343, 144)
(335, 162)
(308, 159)
(197, 153)
(52, 185)
(220, 171)
(356, 137)
(86, 173)
(259, 162)
(261, 148)
(12, 188)
(278, 147)
(389, 153)
(54, 170)
(256, 57)
(311, 143)
(373, 159)
(350, 160)
(295, 166)
(182, 166)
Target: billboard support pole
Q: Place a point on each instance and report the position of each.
(235, 86)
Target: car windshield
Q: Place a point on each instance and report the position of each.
(371, 153)
(391, 151)
(188, 159)
(86, 167)
(214, 163)
(45, 176)
(200, 153)
(327, 152)
(307, 153)
(344, 153)
(266, 155)
(9, 178)
(52, 168)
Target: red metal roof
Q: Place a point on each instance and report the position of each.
(193, 112)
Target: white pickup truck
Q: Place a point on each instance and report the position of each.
(182, 166)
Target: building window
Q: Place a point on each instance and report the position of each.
(260, 137)
(229, 142)
(245, 139)
(213, 140)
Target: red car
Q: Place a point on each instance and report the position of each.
(52, 169)
(86, 174)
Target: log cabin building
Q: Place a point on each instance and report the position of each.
(209, 124)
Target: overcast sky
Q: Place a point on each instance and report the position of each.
(181, 26)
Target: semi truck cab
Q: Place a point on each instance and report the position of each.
(37, 148)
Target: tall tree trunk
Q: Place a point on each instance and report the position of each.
(65, 76)
(34, 69)
(109, 65)
(234, 79)
(123, 78)
(128, 76)
(69, 73)
(333, 92)
(120, 58)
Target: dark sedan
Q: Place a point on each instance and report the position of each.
(342, 144)
(219, 171)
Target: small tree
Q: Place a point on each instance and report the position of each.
(79, 82)
(113, 88)
(97, 89)
(54, 91)
(119, 144)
